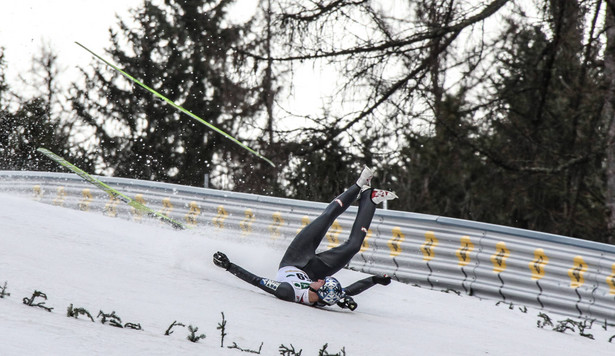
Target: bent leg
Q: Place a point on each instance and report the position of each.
(330, 262)
(303, 247)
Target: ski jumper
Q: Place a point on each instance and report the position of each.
(301, 265)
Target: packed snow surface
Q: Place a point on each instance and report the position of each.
(151, 275)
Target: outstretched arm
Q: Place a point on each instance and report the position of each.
(281, 290)
(366, 283)
(358, 287)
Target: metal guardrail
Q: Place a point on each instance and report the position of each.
(555, 273)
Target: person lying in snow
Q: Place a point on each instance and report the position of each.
(305, 276)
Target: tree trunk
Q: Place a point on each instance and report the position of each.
(609, 113)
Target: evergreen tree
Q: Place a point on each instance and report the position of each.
(320, 175)
(38, 121)
(441, 173)
(182, 49)
(545, 146)
(530, 151)
(266, 78)
(6, 118)
(4, 87)
(609, 117)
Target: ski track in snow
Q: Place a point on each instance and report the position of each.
(153, 275)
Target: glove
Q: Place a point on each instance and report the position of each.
(221, 260)
(385, 280)
(347, 302)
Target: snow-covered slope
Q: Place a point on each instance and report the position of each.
(151, 275)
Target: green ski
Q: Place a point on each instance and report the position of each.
(112, 192)
(178, 107)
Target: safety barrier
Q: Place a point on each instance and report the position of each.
(551, 272)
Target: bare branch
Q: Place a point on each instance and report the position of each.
(395, 44)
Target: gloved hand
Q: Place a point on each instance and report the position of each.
(385, 280)
(221, 260)
(347, 302)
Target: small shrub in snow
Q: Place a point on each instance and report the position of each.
(3, 292)
(175, 323)
(546, 320)
(323, 351)
(222, 328)
(113, 319)
(568, 324)
(30, 301)
(133, 326)
(193, 336)
(75, 312)
(285, 351)
(235, 346)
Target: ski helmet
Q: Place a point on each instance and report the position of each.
(331, 291)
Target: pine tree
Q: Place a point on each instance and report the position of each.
(4, 87)
(439, 173)
(182, 49)
(27, 123)
(6, 118)
(546, 147)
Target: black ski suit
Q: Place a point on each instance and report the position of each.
(301, 253)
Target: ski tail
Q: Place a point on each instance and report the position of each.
(112, 192)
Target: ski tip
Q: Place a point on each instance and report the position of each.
(44, 151)
(92, 53)
(80, 45)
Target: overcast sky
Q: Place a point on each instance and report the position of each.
(26, 24)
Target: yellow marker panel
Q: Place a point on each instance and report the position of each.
(246, 224)
(305, 220)
(193, 213)
(395, 242)
(38, 192)
(84, 204)
(167, 207)
(136, 213)
(610, 280)
(111, 206)
(499, 257)
(429, 245)
(333, 235)
(537, 266)
(579, 268)
(220, 217)
(274, 228)
(463, 253)
(60, 197)
(139, 199)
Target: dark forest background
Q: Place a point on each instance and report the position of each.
(498, 111)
